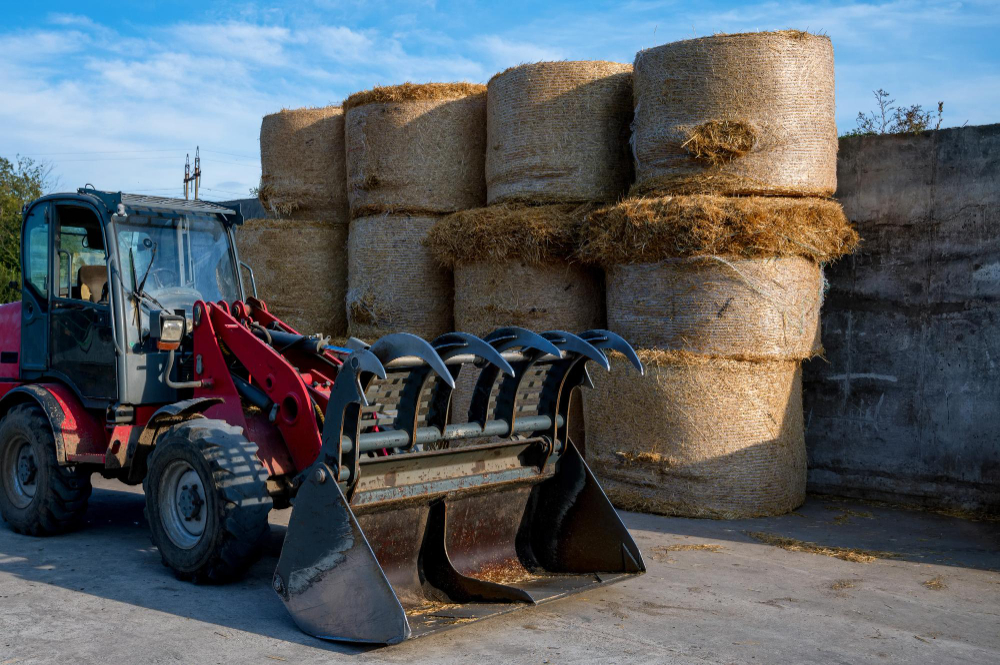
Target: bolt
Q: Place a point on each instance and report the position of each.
(320, 476)
(190, 503)
(277, 584)
(26, 470)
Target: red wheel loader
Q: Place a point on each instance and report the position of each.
(135, 353)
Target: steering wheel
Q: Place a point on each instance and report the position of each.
(164, 277)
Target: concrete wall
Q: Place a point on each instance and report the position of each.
(906, 406)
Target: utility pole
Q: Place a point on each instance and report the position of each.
(197, 171)
(192, 177)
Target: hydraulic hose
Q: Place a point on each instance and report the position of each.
(177, 385)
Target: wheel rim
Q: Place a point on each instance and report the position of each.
(182, 503)
(20, 472)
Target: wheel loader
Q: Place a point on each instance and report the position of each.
(136, 353)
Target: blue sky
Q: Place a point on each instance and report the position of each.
(115, 93)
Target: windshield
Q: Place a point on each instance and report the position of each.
(183, 258)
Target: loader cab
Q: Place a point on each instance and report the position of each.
(96, 268)
(66, 311)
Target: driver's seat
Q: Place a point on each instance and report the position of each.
(92, 280)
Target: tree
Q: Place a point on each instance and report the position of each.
(21, 181)
(891, 119)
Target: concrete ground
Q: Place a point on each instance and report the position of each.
(101, 596)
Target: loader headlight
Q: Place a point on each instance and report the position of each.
(168, 330)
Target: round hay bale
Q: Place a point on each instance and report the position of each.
(647, 230)
(736, 114)
(558, 132)
(394, 284)
(301, 271)
(303, 172)
(732, 308)
(416, 148)
(512, 268)
(543, 296)
(698, 436)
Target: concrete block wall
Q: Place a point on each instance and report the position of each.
(906, 405)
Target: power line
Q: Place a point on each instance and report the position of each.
(223, 191)
(232, 154)
(107, 152)
(136, 159)
(141, 152)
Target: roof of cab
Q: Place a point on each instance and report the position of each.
(143, 202)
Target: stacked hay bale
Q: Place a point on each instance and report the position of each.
(557, 143)
(414, 153)
(299, 256)
(713, 272)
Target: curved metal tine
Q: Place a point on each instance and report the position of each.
(400, 345)
(573, 344)
(510, 337)
(355, 344)
(605, 339)
(359, 361)
(453, 343)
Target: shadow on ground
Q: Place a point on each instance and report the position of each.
(910, 535)
(111, 557)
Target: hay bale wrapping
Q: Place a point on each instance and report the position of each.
(736, 114)
(394, 283)
(728, 308)
(302, 164)
(416, 149)
(558, 132)
(698, 436)
(307, 293)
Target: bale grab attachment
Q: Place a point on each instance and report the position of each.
(411, 520)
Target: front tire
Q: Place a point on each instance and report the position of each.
(37, 496)
(207, 501)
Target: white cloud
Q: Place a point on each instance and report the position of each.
(127, 106)
(506, 53)
(263, 45)
(343, 44)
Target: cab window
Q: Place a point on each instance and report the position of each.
(36, 255)
(80, 255)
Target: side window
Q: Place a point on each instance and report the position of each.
(36, 253)
(82, 260)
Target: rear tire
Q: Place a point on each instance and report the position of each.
(207, 501)
(37, 496)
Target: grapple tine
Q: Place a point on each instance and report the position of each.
(605, 339)
(448, 346)
(355, 344)
(513, 337)
(401, 345)
(570, 342)
(476, 346)
(348, 383)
